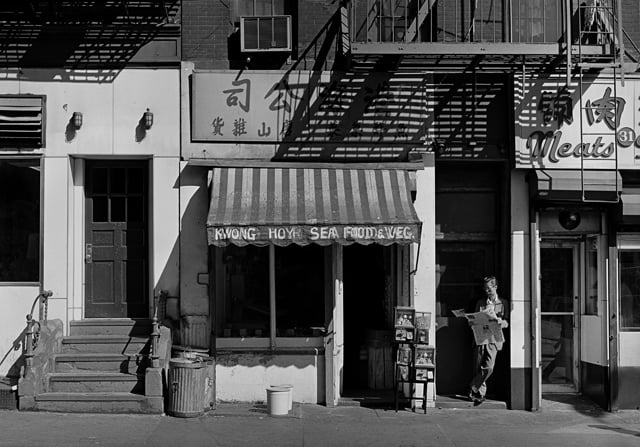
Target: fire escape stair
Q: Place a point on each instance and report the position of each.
(101, 369)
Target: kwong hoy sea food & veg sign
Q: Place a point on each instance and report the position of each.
(555, 128)
(313, 234)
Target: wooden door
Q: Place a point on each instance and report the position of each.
(116, 246)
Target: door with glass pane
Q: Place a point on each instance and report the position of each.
(116, 248)
(559, 315)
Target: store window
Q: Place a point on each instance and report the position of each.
(299, 292)
(630, 290)
(19, 220)
(591, 303)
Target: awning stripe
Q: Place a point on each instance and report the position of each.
(388, 193)
(357, 196)
(310, 205)
(341, 201)
(325, 186)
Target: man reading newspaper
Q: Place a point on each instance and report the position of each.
(487, 322)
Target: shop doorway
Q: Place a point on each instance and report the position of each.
(116, 239)
(560, 291)
(367, 309)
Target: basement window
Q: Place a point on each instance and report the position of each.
(19, 220)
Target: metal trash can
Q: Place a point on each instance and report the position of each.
(186, 387)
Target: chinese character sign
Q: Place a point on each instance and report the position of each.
(244, 106)
(308, 107)
(556, 128)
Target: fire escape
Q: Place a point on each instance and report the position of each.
(583, 40)
(596, 57)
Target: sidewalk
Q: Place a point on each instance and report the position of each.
(560, 424)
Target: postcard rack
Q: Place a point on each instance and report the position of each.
(414, 357)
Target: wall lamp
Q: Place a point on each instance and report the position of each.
(76, 120)
(147, 120)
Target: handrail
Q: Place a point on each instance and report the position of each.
(155, 330)
(32, 334)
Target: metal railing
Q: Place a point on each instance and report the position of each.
(155, 329)
(456, 21)
(32, 332)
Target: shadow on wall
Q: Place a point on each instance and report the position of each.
(17, 345)
(179, 278)
(85, 35)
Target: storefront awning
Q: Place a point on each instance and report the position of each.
(568, 185)
(630, 202)
(281, 206)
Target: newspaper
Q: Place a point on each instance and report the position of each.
(485, 326)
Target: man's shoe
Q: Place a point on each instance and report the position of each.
(478, 399)
(473, 395)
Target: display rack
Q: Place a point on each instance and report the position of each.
(415, 359)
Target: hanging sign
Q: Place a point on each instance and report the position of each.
(556, 127)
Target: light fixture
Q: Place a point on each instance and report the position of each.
(147, 119)
(76, 120)
(569, 219)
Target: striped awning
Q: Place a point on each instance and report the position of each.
(281, 206)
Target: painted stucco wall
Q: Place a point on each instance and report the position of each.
(520, 294)
(112, 106)
(424, 282)
(245, 377)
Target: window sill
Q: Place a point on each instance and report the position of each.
(284, 345)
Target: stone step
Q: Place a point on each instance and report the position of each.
(97, 382)
(98, 403)
(111, 326)
(108, 362)
(120, 344)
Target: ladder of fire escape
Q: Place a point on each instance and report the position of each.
(597, 54)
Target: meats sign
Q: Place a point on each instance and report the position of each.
(557, 127)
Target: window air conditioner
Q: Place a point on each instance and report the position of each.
(265, 33)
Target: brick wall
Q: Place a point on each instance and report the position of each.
(210, 37)
(631, 22)
(206, 27)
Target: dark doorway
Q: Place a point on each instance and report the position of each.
(116, 240)
(470, 218)
(365, 315)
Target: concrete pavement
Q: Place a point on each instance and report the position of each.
(559, 424)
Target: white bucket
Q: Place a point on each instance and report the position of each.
(277, 401)
(289, 389)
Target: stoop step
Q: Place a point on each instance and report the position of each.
(121, 344)
(98, 403)
(88, 382)
(107, 362)
(111, 326)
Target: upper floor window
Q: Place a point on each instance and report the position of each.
(261, 7)
(19, 220)
(265, 25)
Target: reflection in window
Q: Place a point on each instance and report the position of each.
(299, 290)
(299, 285)
(591, 303)
(246, 300)
(19, 220)
(629, 290)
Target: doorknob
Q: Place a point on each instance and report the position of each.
(88, 253)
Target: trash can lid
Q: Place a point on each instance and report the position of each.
(186, 363)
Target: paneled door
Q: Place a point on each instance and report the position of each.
(116, 246)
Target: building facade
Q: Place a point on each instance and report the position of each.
(294, 170)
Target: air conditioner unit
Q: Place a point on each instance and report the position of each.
(265, 33)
